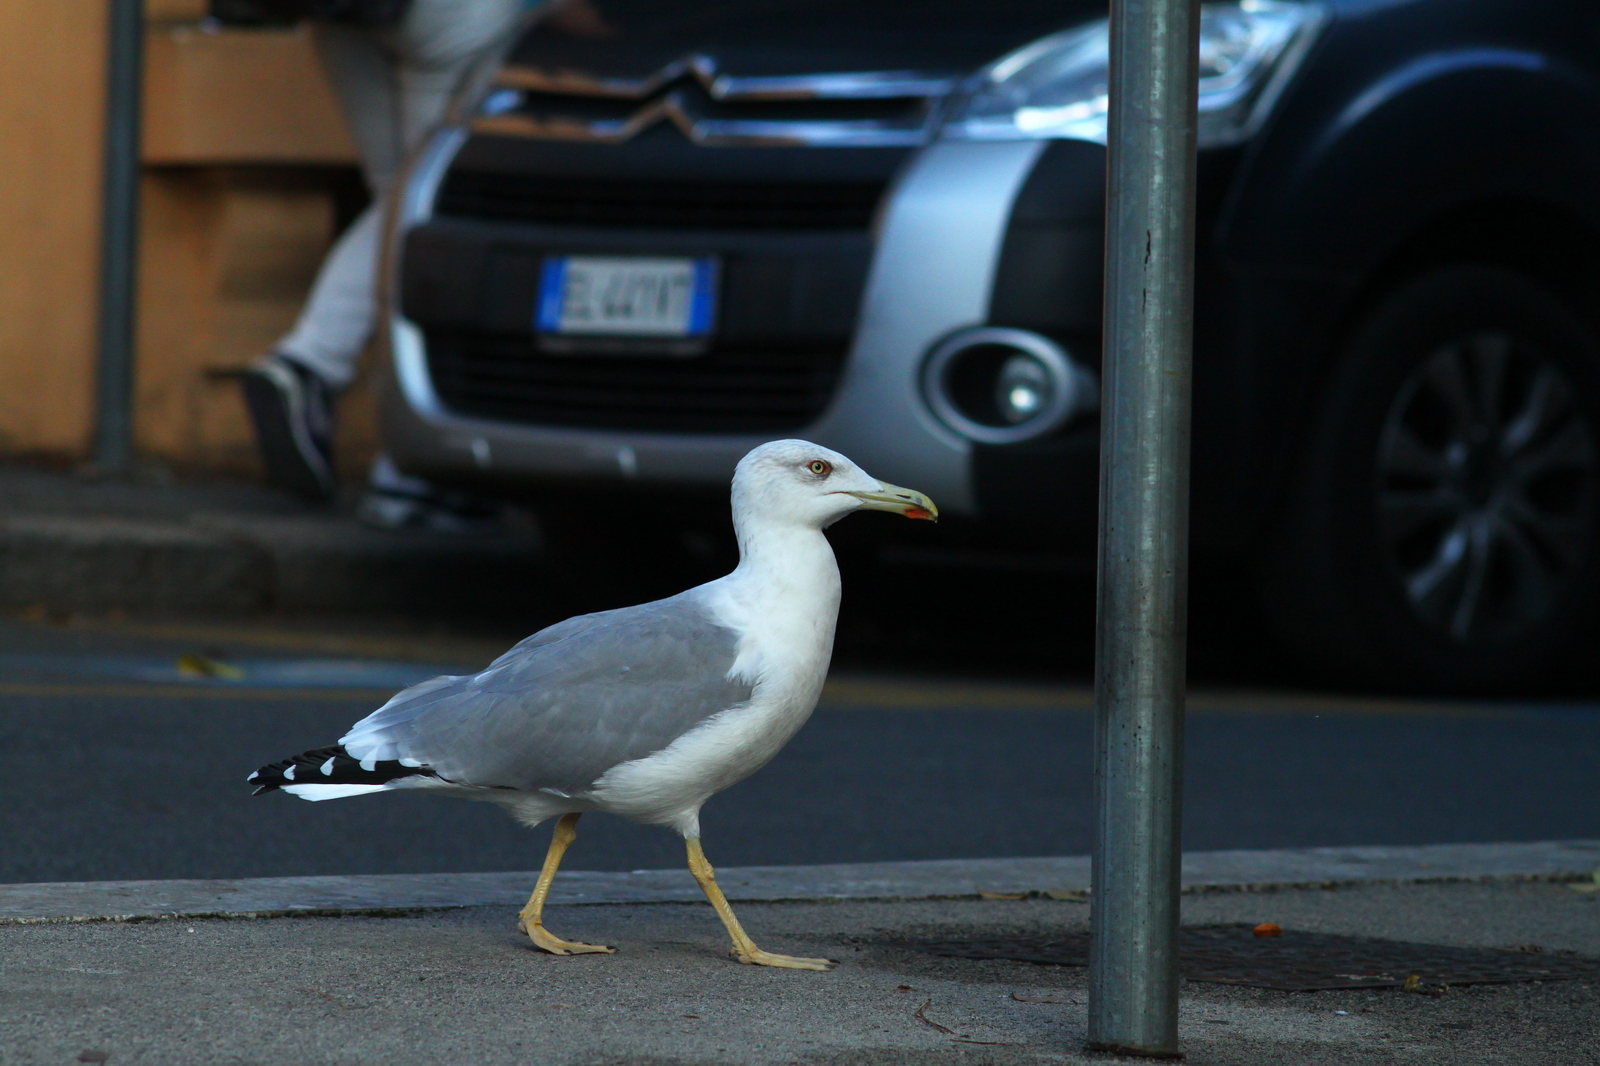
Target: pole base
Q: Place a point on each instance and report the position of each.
(1121, 1052)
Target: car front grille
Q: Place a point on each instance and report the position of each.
(877, 108)
(730, 389)
(658, 204)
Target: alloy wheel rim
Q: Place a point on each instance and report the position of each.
(1486, 486)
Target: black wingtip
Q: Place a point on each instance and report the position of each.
(328, 766)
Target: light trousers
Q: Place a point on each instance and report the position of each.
(394, 86)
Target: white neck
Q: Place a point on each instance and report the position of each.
(784, 594)
(797, 559)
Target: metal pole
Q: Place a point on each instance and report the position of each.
(1144, 527)
(119, 237)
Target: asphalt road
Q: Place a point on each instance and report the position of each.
(107, 778)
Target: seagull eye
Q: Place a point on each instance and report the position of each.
(820, 468)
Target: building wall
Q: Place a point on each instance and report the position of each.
(243, 148)
(51, 73)
(226, 257)
(245, 156)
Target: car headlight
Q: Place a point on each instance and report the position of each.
(1056, 87)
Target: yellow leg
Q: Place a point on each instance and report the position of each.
(531, 920)
(744, 949)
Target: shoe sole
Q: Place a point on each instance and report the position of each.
(291, 463)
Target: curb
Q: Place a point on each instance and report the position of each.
(1061, 878)
(245, 564)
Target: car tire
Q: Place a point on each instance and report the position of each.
(1443, 532)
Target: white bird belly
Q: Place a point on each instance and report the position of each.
(669, 787)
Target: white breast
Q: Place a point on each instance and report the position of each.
(786, 624)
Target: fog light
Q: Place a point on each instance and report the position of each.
(1023, 389)
(1001, 386)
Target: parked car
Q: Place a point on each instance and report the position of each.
(663, 233)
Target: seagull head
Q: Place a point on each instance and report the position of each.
(800, 483)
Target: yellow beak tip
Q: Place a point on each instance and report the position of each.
(896, 500)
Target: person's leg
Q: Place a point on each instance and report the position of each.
(361, 65)
(289, 392)
(338, 318)
(455, 34)
(394, 87)
(438, 43)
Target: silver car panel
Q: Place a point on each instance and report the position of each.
(932, 274)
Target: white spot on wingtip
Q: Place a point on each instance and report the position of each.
(315, 793)
(411, 763)
(327, 767)
(288, 775)
(370, 763)
(253, 776)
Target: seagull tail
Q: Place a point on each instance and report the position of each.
(330, 773)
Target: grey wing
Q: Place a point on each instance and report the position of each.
(567, 704)
(571, 627)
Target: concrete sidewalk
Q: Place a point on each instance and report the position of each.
(462, 986)
(68, 543)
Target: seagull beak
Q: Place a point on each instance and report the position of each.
(908, 502)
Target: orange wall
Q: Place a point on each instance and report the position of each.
(51, 72)
(232, 223)
(233, 227)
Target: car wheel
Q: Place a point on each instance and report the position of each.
(1444, 532)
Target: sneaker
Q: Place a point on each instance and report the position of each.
(293, 413)
(396, 501)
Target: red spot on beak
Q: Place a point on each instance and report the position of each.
(919, 512)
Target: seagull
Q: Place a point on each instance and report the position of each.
(644, 712)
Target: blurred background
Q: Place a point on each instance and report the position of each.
(248, 176)
(452, 317)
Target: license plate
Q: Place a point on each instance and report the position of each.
(627, 296)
